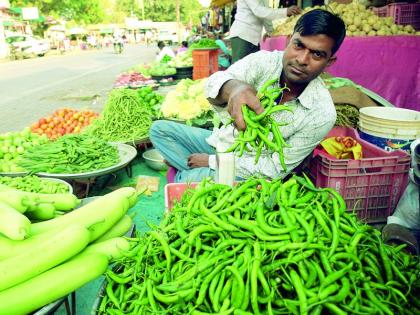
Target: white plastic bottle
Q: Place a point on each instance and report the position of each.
(225, 166)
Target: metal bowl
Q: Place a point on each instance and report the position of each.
(70, 188)
(154, 160)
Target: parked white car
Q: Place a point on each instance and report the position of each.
(29, 45)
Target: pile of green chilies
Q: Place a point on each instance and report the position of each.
(70, 154)
(262, 131)
(262, 248)
(124, 118)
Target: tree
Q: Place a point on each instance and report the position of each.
(81, 11)
(191, 11)
(164, 11)
(159, 10)
(114, 11)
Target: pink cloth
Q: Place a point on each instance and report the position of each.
(170, 175)
(387, 65)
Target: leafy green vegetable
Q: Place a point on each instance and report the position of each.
(150, 99)
(162, 69)
(166, 59)
(182, 60)
(204, 43)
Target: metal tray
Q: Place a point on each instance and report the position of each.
(49, 179)
(59, 181)
(50, 309)
(138, 141)
(126, 153)
(15, 174)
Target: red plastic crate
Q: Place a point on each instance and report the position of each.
(382, 11)
(371, 186)
(205, 63)
(402, 13)
(405, 13)
(174, 192)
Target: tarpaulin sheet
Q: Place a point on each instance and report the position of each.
(387, 65)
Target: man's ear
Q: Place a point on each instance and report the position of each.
(332, 60)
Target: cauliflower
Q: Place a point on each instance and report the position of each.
(187, 101)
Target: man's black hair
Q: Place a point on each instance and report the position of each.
(161, 44)
(317, 22)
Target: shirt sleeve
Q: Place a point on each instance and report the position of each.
(249, 70)
(263, 12)
(302, 143)
(268, 26)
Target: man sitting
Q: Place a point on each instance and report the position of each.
(316, 38)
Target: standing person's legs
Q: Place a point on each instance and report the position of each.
(241, 48)
(176, 142)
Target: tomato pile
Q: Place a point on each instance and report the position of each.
(63, 121)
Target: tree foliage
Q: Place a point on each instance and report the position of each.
(108, 11)
(162, 10)
(82, 11)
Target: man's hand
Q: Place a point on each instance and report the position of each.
(198, 160)
(244, 94)
(293, 10)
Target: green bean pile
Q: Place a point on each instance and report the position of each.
(70, 154)
(347, 115)
(124, 118)
(262, 248)
(34, 184)
(262, 132)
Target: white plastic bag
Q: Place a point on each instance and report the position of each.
(407, 212)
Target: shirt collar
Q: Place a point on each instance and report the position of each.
(310, 93)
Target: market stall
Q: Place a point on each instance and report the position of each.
(300, 245)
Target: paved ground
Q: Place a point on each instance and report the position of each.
(33, 88)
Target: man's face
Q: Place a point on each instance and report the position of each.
(305, 57)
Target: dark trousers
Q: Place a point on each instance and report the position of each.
(241, 48)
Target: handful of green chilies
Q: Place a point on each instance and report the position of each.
(262, 132)
(70, 154)
(262, 248)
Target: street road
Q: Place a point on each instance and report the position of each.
(33, 88)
